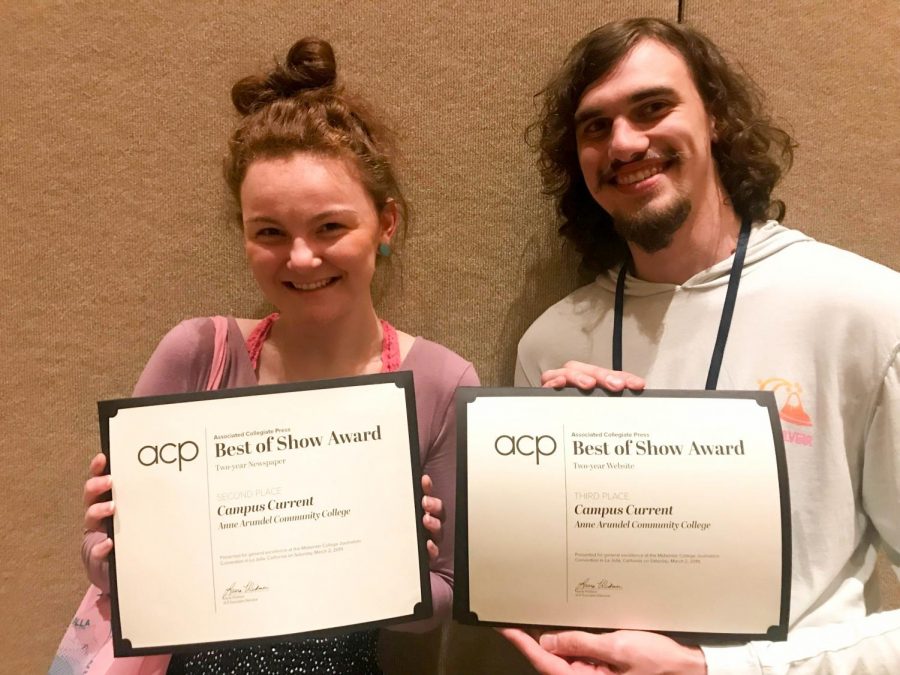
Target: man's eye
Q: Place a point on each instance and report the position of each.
(653, 109)
(597, 127)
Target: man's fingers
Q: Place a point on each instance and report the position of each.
(563, 377)
(588, 376)
(612, 382)
(634, 382)
(544, 662)
(599, 648)
(427, 485)
(553, 382)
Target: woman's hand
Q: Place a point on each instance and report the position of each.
(97, 511)
(433, 518)
(587, 376)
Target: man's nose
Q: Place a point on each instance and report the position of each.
(626, 141)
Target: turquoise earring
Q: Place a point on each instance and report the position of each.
(384, 250)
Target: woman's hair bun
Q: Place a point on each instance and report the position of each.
(309, 65)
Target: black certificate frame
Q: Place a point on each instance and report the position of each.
(462, 611)
(108, 409)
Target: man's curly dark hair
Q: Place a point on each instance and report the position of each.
(750, 152)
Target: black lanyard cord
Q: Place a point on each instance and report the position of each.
(734, 279)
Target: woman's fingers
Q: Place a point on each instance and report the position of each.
(98, 464)
(433, 550)
(95, 513)
(433, 518)
(96, 486)
(99, 552)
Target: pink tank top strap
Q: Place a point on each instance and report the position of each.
(390, 345)
(219, 356)
(258, 336)
(390, 348)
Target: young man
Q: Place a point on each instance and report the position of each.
(659, 156)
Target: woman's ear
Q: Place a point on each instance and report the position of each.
(389, 220)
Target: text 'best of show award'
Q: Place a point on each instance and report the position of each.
(665, 511)
(265, 514)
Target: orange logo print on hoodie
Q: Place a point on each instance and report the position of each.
(788, 394)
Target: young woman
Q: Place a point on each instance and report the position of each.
(319, 202)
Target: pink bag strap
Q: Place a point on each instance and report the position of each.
(217, 368)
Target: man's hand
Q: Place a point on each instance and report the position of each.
(586, 376)
(623, 651)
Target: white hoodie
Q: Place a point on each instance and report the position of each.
(821, 328)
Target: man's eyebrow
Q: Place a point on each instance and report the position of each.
(638, 96)
(651, 92)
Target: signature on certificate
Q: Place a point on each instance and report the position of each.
(589, 587)
(235, 591)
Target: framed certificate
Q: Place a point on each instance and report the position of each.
(264, 514)
(665, 511)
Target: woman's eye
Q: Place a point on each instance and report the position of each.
(268, 233)
(331, 227)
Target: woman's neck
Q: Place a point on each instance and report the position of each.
(296, 350)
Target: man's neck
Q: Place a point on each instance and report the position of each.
(698, 244)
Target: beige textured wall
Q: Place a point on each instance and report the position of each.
(115, 224)
(830, 70)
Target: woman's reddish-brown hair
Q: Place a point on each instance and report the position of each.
(299, 106)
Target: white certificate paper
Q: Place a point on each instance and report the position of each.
(665, 511)
(255, 515)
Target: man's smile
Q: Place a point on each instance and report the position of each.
(633, 176)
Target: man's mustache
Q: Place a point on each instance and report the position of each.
(618, 164)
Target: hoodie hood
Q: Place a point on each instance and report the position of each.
(766, 239)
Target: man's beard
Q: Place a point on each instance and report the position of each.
(652, 229)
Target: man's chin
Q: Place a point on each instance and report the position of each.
(652, 229)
